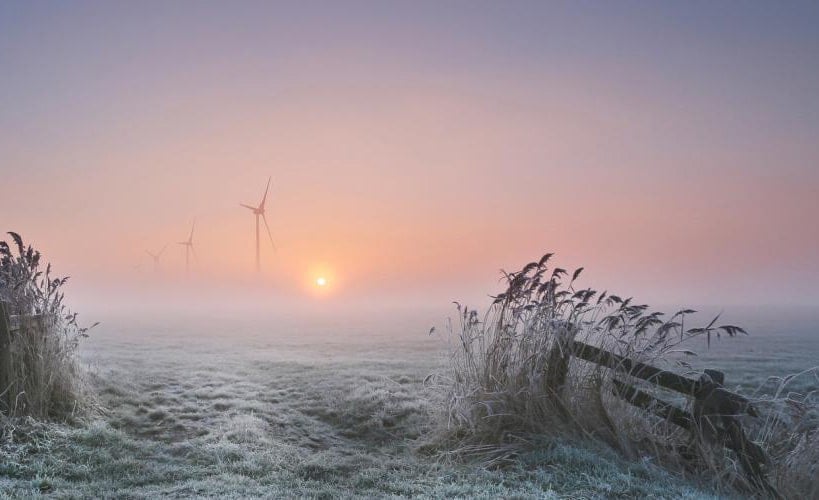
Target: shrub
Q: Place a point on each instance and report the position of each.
(509, 381)
(42, 375)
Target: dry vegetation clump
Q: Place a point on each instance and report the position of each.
(42, 378)
(790, 430)
(511, 383)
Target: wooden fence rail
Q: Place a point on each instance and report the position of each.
(714, 410)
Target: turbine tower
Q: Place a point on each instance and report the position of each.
(259, 212)
(188, 244)
(156, 256)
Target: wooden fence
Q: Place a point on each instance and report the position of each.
(715, 411)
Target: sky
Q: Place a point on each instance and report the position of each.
(415, 148)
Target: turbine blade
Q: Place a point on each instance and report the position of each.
(190, 238)
(193, 251)
(162, 251)
(247, 206)
(268, 232)
(264, 198)
(149, 253)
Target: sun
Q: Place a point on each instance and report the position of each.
(321, 280)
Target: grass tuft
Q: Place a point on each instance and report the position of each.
(510, 383)
(40, 373)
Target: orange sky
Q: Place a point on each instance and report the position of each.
(401, 172)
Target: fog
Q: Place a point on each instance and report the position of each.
(411, 162)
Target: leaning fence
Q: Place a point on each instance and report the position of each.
(714, 415)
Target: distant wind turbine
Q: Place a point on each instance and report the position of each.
(156, 256)
(189, 248)
(259, 212)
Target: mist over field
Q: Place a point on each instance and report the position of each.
(419, 249)
(416, 150)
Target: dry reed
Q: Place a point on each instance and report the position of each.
(509, 382)
(44, 377)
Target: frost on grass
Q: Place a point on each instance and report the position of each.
(511, 383)
(40, 377)
(344, 428)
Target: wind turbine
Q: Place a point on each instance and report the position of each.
(189, 247)
(156, 256)
(259, 212)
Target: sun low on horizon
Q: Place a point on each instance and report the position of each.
(422, 163)
(409, 249)
(321, 280)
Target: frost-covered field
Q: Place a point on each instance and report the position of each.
(223, 409)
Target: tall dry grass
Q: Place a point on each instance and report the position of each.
(44, 379)
(509, 383)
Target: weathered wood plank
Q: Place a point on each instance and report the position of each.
(663, 378)
(662, 409)
(713, 419)
(715, 413)
(557, 361)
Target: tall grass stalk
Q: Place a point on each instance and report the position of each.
(45, 379)
(508, 383)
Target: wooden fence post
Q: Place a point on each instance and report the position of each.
(715, 412)
(557, 365)
(5, 360)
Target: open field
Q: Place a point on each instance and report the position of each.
(409, 249)
(210, 414)
(780, 342)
